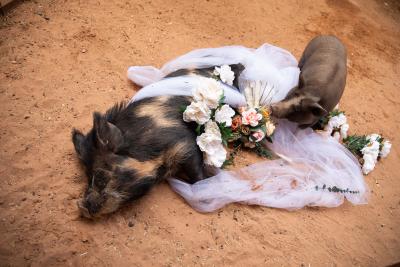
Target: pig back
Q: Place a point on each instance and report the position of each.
(153, 125)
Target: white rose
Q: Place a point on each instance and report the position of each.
(371, 149)
(225, 114)
(337, 121)
(217, 158)
(373, 137)
(225, 74)
(270, 128)
(212, 128)
(336, 135)
(208, 91)
(198, 112)
(210, 143)
(369, 163)
(343, 130)
(385, 149)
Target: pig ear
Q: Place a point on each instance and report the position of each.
(80, 144)
(108, 136)
(312, 106)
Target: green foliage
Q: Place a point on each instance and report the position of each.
(182, 109)
(221, 101)
(262, 151)
(335, 189)
(355, 143)
(334, 113)
(323, 121)
(198, 129)
(226, 133)
(232, 155)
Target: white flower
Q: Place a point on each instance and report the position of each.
(336, 135)
(373, 137)
(270, 128)
(211, 127)
(343, 130)
(337, 121)
(217, 158)
(210, 143)
(225, 114)
(225, 74)
(251, 117)
(371, 149)
(198, 112)
(369, 163)
(385, 149)
(208, 91)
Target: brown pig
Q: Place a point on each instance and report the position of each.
(134, 146)
(321, 83)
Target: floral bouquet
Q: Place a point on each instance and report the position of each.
(368, 148)
(221, 126)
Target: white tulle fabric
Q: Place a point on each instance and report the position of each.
(308, 160)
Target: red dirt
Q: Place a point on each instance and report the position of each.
(62, 60)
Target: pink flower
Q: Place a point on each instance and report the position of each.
(258, 135)
(251, 117)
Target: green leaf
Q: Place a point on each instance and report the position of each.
(221, 100)
(262, 151)
(232, 155)
(198, 129)
(323, 121)
(355, 143)
(182, 109)
(334, 113)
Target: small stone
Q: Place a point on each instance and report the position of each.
(130, 224)
(83, 50)
(85, 240)
(382, 225)
(235, 217)
(26, 117)
(14, 62)
(23, 199)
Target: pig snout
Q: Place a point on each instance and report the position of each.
(84, 211)
(91, 204)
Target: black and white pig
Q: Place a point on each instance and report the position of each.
(134, 146)
(322, 81)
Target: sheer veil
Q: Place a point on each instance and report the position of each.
(314, 170)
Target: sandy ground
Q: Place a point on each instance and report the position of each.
(62, 60)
